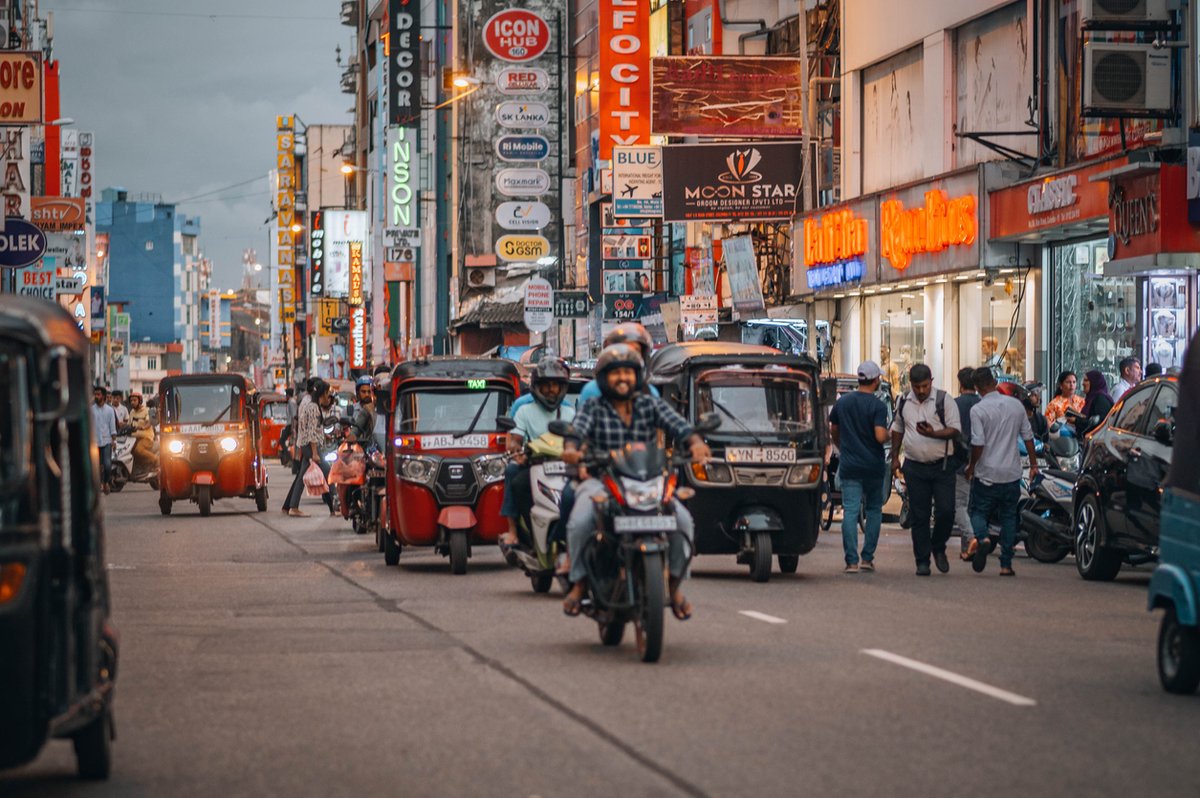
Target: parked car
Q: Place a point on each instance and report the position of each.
(1118, 499)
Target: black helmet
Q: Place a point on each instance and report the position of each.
(618, 356)
(550, 369)
(630, 332)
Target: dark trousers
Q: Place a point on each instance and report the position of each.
(518, 492)
(930, 494)
(297, 490)
(106, 463)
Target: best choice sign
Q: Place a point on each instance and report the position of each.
(516, 35)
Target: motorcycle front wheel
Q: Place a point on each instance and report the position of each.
(649, 622)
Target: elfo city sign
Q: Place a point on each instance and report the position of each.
(516, 35)
(523, 215)
(522, 80)
(522, 148)
(942, 222)
(21, 244)
(521, 248)
(523, 114)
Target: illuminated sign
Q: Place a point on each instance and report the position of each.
(285, 206)
(404, 62)
(624, 74)
(941, 223)
(355, 295)
(317, 247)
(358, 338)
(835, 274)
(834, 237)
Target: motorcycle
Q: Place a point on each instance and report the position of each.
(123, 469)
(348, 473)
(537, 552)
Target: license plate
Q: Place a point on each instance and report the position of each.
(644, 523)
(192, 428)
(555, 468)
(452, 442)
(759, 454)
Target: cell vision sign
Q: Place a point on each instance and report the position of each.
(523, 215)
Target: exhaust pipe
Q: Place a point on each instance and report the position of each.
(1059, 531)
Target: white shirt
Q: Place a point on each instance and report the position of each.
(533, 420)
(1120, 389)
(104, 423)
(122, 413)
(917, 447)
(997, 423)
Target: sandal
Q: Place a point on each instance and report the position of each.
(681, 607)
(572, 606)
(969, 554)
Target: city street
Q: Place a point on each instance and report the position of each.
(279, 656)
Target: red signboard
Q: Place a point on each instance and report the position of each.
(358, 338)
(624, 74)
(1148, 215)
(516, 35)
(1052, 201)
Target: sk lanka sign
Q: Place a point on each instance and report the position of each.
(624, 74)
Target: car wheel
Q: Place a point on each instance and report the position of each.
(1178, 655)
(1095, 562)
(93, 747)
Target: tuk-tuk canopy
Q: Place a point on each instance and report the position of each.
(1184, 474)
(673, 360)
(457, 368)
(204, 398)
(41, 324)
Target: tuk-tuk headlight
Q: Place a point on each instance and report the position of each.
(12, 574)
(175, 446)
(229, 443)
(712, 472)
(417, 469)
(491, 468)
(804, 474)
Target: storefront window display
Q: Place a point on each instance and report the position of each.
(992, 327)
(1167, 320)
(1094, 323)
(901, 336)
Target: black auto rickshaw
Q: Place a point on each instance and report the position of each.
(58, 651)
(760, 494)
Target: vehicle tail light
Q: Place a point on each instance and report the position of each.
(12, 576)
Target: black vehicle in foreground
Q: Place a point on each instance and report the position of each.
(1118, 497)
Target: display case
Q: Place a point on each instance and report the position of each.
(1110, 326)
(1168, 320)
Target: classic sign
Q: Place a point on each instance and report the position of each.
(516, 35)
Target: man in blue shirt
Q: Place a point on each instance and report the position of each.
(104, 427)
(858, 424)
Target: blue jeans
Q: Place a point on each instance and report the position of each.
(856, 493)
(996, 502)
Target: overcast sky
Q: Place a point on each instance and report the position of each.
(182, 96)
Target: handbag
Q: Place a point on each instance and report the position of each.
(314, 481)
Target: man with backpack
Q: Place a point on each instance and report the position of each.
(928, 427)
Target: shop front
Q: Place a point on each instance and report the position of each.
(932, 290)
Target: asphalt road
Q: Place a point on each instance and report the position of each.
(266, 655)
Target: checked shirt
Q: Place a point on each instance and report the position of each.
(599, 425)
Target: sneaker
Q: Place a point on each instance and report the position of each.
(1007, 571)
(942, 563)
(923, 569)
(979, 560)
(851, 568)
(867, 565)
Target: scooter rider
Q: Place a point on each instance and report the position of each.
(625, 414)
(363, 422)
(143, 435)
(548, 386)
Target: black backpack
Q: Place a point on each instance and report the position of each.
(961, 453)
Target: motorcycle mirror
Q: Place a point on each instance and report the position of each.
(562, 428)
(505, 424)
(708, 422)
(1164, 433)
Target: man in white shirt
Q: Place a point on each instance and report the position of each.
(1131, 375)
(104, 427)
(927, 424)
(119, 408)
(998, 422)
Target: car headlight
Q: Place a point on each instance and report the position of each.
(712, 472)
(417, 469)
(804, 474)
(175, 446)
(491, 467)
(642, 495)
(229, 443)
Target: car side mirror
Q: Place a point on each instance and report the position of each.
(1164, 433)
(708, 422)
(561, 428)
(505, 423)
(829, 387)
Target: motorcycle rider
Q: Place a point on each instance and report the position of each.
(629, 332)
(143, 434)
(363, 423)
(625, 414)
(548, 387)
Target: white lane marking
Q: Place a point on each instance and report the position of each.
(112, 566)
(953, 678)
(762, 616)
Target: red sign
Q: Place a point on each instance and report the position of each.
(57, 214)
(834, 237)
(1052, 201)
(516, 35)
(1148, 215)
(624, 74)
(358, 338)
(941, 223)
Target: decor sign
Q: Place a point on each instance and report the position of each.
(516, 35)
(732, 96)
(730, 182)
(624, 74)
(941, 223)
(403, 50)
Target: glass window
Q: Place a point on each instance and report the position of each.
(756, 401)
(152, 363)
(203, 404)
(902, 336)
(1134, 409)
(14, 418)
(1094, 323)
(1164, 405)
(451, 411)
(147, 389)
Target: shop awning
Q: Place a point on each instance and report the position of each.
(491, 314)
(1153, 262)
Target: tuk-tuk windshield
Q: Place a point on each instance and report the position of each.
(451, 410)
(764, 401)
(14, 416)
(276, 411)
(203, 403)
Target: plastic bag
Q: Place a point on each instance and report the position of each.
(314, 481)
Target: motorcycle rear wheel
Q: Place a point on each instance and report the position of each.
(1040, 547)
(119, 477)
(649, 623)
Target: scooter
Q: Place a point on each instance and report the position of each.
(1046, 517)
(538, 549)
(123, 470)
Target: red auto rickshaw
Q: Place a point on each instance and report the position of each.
(210, 441)
(446, 455)
(272, 418)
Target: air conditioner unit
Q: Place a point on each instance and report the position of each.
(1125, 79)
(481, 277)
(1124, 14)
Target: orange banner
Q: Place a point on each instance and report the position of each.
(624, 74)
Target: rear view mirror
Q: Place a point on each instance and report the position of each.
(829, 387)
(505, 424)
(1164, 433)
(708, 422)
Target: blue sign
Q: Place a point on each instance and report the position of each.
(523, 148)
(835, 274)
(21, 243)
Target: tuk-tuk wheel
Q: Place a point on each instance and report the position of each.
(612, 632)
(164, 505)
(1178, 655)
(460, 550)
(391, 549)
(93, 747)
(204, 499)
(260, 499)
(119, 477)
(541, 582)
(760, 557)
(788, 563)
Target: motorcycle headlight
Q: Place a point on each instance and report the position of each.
(229, 443)
(417, 469)
(712, 472)
(805, 474)
(491, 468)
(642, 496)
(331, 457)
(175, 446)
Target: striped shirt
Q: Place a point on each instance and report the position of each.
(600, 426)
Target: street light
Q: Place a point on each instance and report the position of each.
(64, 121)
